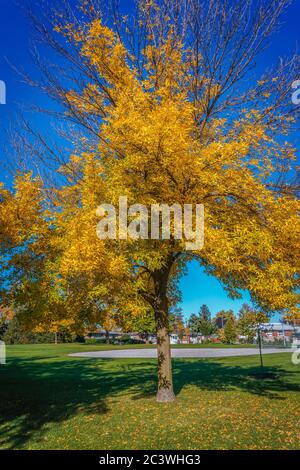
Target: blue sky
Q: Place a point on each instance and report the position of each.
(15, 36)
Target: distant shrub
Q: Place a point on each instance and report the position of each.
(207, 341)
(79, 339)
(125, 339)
(95, 341)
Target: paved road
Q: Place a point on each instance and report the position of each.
(184, 352)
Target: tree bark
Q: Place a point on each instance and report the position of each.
(107, 336)
(158, 299)
(165, 391)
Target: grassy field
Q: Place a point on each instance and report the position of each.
(49, 400)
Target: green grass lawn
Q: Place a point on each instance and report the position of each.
(52, 401)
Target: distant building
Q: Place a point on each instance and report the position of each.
(272, 332)
(100, 333)
(174, 339)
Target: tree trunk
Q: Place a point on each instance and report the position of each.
(165, 391)
(159, 302)
(107, 336)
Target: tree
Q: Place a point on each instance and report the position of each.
(202, 323)
(176, 322)
(249, 321)
(15, 333)
(230, 330)
(205, 312)
(206, 326)
(194, 324)
(108, 324)
(145, 324)
(6, 315)
(222, 317)
(292, 316)
(163, 116)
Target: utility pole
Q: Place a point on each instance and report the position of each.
(260, 348)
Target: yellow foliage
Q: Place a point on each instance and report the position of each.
(153, 149)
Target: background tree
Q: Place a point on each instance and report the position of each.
(206, 325)
(108, 324)
(204, 312)
(193, 323)
(249, 321)
(144, 324)
(202, 324)
(176, 321)
(6, 315)
(230, 331)
(222, 316)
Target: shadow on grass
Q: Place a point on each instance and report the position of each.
(35, 392)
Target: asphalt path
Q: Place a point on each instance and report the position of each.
(184, 352)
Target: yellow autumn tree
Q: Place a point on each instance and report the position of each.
(166, 121)
(30, 285)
